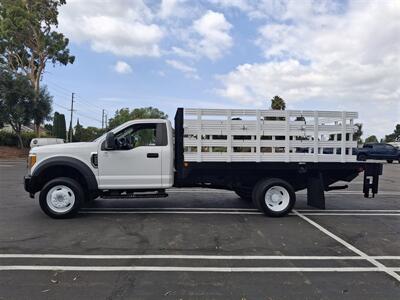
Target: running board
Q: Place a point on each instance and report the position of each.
(135, 195)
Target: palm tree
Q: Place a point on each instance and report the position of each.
(277, 103)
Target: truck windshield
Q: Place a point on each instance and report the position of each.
(96, 139)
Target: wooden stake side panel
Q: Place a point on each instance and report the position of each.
(226, 135)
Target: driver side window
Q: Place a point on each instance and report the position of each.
(136, 136)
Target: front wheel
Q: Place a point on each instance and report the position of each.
(275, 197)
(61, 198)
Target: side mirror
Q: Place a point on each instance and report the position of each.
(110, 141)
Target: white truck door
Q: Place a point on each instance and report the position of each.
(136, 163)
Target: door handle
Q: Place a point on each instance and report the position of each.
(152, 155)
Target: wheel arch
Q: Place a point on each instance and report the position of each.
(63, 166)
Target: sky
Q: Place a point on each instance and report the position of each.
(316, 55)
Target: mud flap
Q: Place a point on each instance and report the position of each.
(315, 191)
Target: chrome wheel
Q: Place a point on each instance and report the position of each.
(277, 198)
(60, 199)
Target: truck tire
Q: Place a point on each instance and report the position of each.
(244, 194)
(61, 198)
(390, 161)
(362, 157)
(274, 197)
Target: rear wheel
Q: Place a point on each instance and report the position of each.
(61, 198)
(275, 197)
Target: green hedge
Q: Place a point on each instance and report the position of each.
(11, 139)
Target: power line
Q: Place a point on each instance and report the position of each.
(62, 106)
(60, 93)
(89, 103)
(77, 113)
(60, 87)
(63, 93)
(91, 118)
(89, 107)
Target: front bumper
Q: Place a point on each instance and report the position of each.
(28, 185)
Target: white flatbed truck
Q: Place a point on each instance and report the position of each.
(265, 156)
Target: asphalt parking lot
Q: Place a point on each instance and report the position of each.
(201, 244)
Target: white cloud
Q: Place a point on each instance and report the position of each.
(183, 53)
(172, 8)
(122, 27)
(137, 28)
(122, 67)
(240, 4)
(323, 57)
(215, 40)
(281, 9)
(167, 8)
(189, 71)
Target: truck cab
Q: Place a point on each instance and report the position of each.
(138, 155)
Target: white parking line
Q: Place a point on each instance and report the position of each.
(193, 257)
(351, 210)
(384, 193)
(212, 211)
(191, 269)
(170, 209)
(172, 212)
(350, 214)
(373, 261)
(237, 209)
(179, 256)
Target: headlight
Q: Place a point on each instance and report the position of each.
(31, 160)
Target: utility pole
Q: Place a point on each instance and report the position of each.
(102, 119)
(72, 111)
(106, 121)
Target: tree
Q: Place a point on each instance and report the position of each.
(28, 39)
(358, 133)
(16, 99)
(123, 115)
(91, 133)
(371, 139)
(59, 126)
(393, 136)
(78, 132)
(70, 137)
(42, 106)
(49, 129)
(277, 103)
(63, 127)
(55, 128)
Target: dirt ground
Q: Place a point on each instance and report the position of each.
(13, 152)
